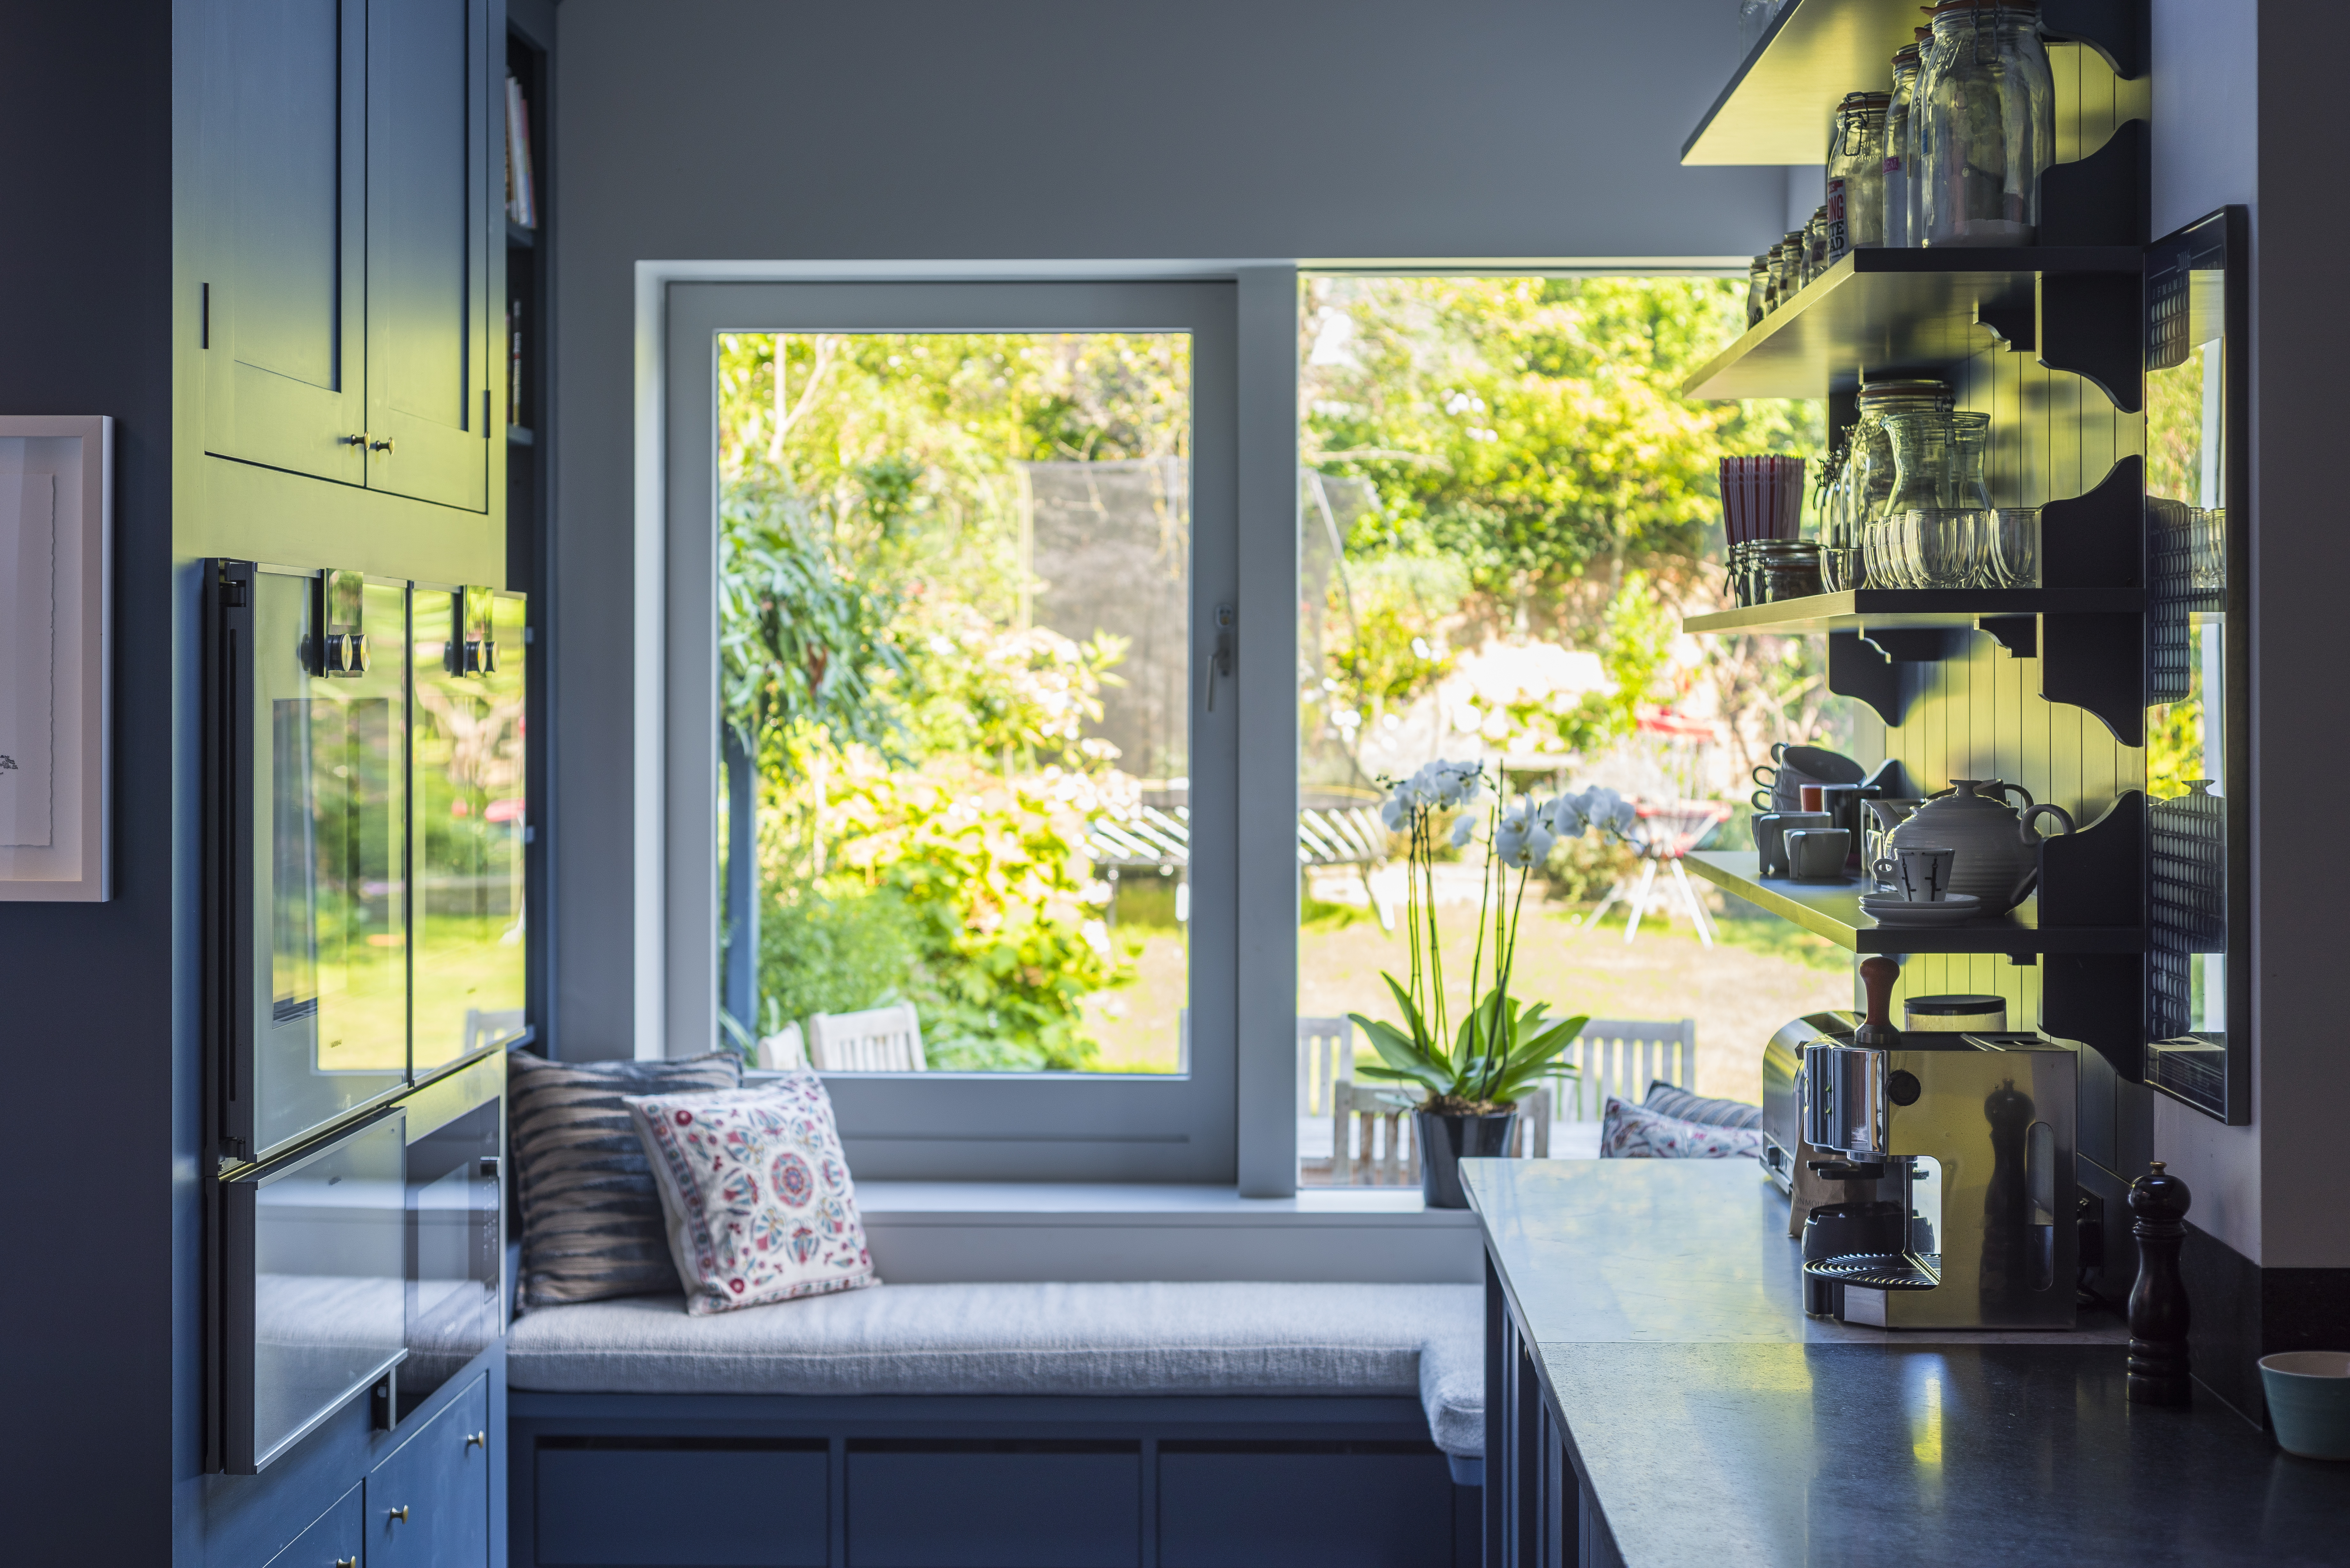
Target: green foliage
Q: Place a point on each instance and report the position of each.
(797, 644)
(1505, 1047)
(1531, 427)
(829, 954)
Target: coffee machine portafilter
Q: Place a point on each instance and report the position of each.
(1969, 1141)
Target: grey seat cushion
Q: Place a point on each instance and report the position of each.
(1089, 1339)
(591, 1221)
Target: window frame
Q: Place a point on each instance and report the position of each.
(1231, 1116)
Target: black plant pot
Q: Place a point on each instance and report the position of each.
(1445, 1141)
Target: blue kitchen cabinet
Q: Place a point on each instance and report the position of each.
(428, 1504)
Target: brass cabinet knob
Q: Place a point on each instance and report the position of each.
(359, 439)
(400, 1514)
(347, 1562)
(478, 1440)
(384, 446)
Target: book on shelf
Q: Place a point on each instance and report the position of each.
(522, 196)
(514, 366)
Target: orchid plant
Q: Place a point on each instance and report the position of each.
(1503, 1045)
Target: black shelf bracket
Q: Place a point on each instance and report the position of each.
(2019, 634)
(2090, 324)
(2103, 199)
(2013, 324)
(2097, 877)
(2097, 662)
(2097, 540)
(1919, 644)
(2116, 29)
(1857, 670)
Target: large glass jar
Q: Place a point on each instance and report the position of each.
(1855, 206)
(1936, 522)
(1863, 478)
(1858, 503)
(1985, 107)
(1893, 193)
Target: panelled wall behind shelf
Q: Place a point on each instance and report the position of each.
(2053, 436)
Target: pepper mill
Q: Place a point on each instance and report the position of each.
(2157, 1301)
(1877, 977)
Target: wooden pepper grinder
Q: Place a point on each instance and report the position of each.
(2157, 1301)
(1877, 976)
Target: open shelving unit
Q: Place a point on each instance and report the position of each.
(1832, 910)
(1866, 610)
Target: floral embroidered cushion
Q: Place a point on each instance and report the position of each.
(1627, 1131)
(757, 1192)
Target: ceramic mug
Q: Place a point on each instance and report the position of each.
(1771, 831)
(1919, 872)
(2309, 1402)
(1817, 853)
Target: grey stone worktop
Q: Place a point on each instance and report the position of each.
(1715, 1425)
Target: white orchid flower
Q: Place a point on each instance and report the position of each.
(1394, 812)
(1464, 828)
(1522, 843)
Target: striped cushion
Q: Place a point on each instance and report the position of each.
(591, 1220)
(1684, 1106)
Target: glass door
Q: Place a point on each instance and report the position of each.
(974, 837)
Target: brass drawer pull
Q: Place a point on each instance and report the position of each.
(400, 1514)
(478, 1440)
(384, 446)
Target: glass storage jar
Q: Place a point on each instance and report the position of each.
(1894, 192)
(1758, 289)
(1936, 522)
(1816, 243)
(1855, 206)
(1985, 109)
(1860, 494)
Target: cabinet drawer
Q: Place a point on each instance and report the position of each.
(1337, 1505)
(427, 1505)
(697, 1503)
(335, 1541)
(925, 1503)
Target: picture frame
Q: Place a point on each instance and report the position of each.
(56, 569)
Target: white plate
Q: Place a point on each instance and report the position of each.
(1886, 918)
(1967, 901)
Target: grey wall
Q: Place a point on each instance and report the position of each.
(90, 1377)
(1033, 129)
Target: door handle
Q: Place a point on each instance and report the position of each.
(1219, 662)
(400, 1514)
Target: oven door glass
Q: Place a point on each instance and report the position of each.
(330, 1021)
(316, 1274)
(469, 750)
(455, 1274)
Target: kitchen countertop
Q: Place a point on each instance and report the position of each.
(1716, 1425)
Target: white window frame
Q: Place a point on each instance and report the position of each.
(1231, 1119)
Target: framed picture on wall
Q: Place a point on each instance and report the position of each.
(56, 580)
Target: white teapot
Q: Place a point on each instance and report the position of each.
(1998, 857)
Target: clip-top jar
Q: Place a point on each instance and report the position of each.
(1893, 193)
(1855, 205)
(1985, 106)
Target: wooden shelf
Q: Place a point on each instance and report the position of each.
(1868, 609)
(1883, 310)
(1776, 108)
(1832, 910)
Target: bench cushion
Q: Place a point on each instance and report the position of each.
(1046, 1339)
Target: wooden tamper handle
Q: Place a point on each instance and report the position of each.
(1877, 976)
(2157, 1301)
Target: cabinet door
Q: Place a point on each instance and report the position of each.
(333, 1539)
(427, 1506)
(428, 250)
(285, 143)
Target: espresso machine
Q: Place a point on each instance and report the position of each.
(1956, 1152)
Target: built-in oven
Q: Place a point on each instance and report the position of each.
(365, 759)
(313, 1264)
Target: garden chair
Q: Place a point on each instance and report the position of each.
(1622, 1056)
(783, 1050)
(1667, 831)
(1326, 1053)
(1358, 1113)
(878, 1040)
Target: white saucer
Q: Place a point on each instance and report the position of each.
(1888, 910)
(1967, 901)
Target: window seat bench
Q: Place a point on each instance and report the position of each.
(959, 1424)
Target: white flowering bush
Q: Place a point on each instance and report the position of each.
(1504, 1045)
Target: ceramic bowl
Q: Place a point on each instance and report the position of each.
(2309, 1401)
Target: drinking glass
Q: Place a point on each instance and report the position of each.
(1947, 546)
(2013, 555)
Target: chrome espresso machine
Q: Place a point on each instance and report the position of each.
(1953, 1155)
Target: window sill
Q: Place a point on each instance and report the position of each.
(1143, 1203)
